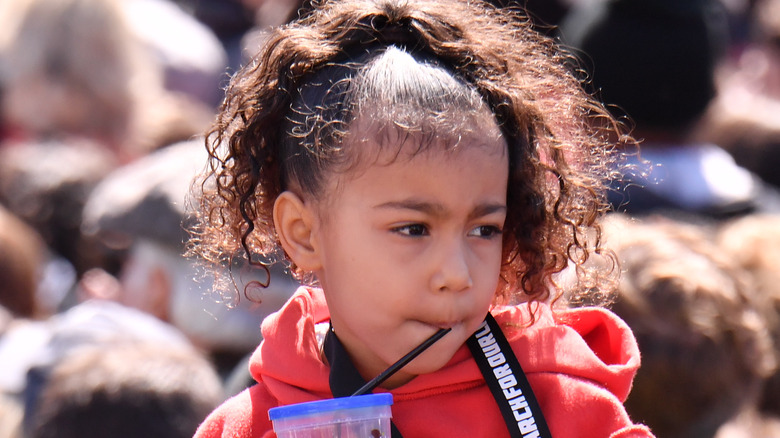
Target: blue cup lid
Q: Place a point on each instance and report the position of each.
(334, 404)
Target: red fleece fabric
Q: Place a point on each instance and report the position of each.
(580, 364)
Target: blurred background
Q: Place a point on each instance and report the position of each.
(107, 330)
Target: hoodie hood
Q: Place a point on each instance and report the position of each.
(580, 364)
(586, 343)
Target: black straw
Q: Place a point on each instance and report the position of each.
(384, 375)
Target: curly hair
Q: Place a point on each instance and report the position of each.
(287, 114)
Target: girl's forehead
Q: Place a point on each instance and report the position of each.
(369, 146)
(374, 142)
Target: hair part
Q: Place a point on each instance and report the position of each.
(387, 96)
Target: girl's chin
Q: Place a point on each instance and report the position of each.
(426, 364)
(415, 368)
(435, 357)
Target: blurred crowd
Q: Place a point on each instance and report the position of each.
(106, 329)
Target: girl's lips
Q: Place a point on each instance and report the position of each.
(442, 324)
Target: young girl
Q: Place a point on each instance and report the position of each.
(421, 163)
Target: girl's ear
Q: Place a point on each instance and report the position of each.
(295, 222)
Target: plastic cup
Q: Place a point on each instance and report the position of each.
(362, 416)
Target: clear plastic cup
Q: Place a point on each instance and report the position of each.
(362, 416)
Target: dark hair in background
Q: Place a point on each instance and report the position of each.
(653, 59)
(50, 195)
(132, 390)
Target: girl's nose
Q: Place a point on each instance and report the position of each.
(452, 273)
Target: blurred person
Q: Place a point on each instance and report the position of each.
(758, 63)
(142, 208)
(74, 68)
(30, 348)
(268, 14)
(128, 390)
(654, 62)
(228, 20)
(46, 184)
(80, 94)
(706, 348)
(22, 253)
(193, 59)
(750, 424)
(745, 117)
(71, 66)
(754, 241)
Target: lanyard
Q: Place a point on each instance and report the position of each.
(496, 362)
(507, 381)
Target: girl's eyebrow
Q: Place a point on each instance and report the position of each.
(483, 210)
(438, 210)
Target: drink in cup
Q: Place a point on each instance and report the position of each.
(361, 416)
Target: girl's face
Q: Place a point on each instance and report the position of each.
(412, 246)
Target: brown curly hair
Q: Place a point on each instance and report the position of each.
(285, 117)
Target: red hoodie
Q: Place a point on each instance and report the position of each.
(580, 364)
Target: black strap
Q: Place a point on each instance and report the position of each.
(344, 378)
(507, 381)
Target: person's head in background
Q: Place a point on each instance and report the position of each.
(745, 117)
(46, 184)
(126, 390)
(754, 241)
(177, 34)
(22, 255)
(140, 212)
(653, 60)
(705, 345)
(74, 68)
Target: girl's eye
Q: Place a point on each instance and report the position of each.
(412, 230)
(485, 231)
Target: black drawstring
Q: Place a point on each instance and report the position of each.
(344, 378)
